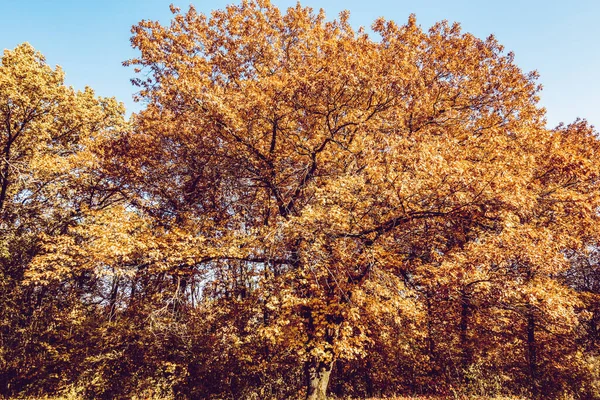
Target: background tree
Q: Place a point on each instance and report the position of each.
(46, 179)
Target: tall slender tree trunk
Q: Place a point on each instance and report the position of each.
(3, 185)
(5, 168)
(369, 379)
(431, 345)
(531, 352)
(465, 347)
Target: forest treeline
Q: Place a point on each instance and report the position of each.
(299, 210)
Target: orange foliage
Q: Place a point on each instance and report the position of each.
(301, 207)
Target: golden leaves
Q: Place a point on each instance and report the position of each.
(319, 191)
(337, 159)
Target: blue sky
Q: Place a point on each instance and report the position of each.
(560, 39)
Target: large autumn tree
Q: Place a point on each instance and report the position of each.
(343, 179)
(298, 208)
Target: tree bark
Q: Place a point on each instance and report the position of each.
(317, 374)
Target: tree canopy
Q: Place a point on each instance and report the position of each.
(298, 208)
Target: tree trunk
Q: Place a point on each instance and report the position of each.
(531, 352)
(317, 374)
(369, 380)
(465, 346)
(318, 371)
